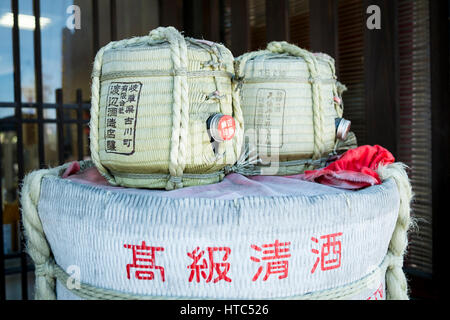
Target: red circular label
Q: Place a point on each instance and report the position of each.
(226, 127)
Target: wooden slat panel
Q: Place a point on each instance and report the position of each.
(193, 18)
(211, 20)
(299, 23)
(351, 24)
(240, 27)
(258, 28)
(103, 23)
(380, 78)
(323, 26)
(277, 20)
(136, 17)
(171, 13)
(225, 16)
(415, 123)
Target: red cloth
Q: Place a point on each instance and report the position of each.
(355, 169)
(73, 168)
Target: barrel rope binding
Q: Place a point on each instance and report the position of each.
(315, 80)
(47, 271)
(180, 123)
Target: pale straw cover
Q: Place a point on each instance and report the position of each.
(151, 98)
(290, 99)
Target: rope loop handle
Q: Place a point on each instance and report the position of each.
(180, 124)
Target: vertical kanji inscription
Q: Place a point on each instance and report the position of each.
(269, 114)
(121, 116)
(276, 256)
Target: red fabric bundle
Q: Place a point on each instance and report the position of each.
(73, 168)
(355, 169)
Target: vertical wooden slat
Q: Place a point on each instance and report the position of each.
(240, 27)
(415, 124)
(113, 20)
(38, 80)
(440, 119)
(323, 26)
(299, 24)
(19, 133)
(103, 22)
(277, 20)
(211, 20)
(351, 26)
(96, 26)
(193, 18)
(135, 17)
(380, 64)
(60, 124)
(171, 13)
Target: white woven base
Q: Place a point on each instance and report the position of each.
(87, 226)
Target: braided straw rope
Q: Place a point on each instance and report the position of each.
(47, 271)
(239, 117)
(180, 123)
(37, 245)
(89, 292)
(395, 278)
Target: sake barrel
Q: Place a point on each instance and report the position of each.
(151, 99)
(264, 237)
(292, 105)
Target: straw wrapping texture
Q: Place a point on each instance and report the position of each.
(176, 77)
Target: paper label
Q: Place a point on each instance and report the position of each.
(269, 117)
(121, 116)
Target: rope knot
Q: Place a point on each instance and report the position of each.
(276, 46)
(237, 81)
(314, 79)
(174, 182)
(45, 269)
(215, 95)
(217, 65)
(161, 33)
(181, 72)
(229, 169)
(395, 261)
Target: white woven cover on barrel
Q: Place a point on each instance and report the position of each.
(290, 98)
(261, 237)
(151, 98)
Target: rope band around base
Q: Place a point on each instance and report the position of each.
(89, 292)
(47, 272)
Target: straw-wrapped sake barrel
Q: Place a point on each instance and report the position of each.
(152, 97)
(292, 106)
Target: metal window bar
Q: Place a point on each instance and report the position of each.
(18, 115)
(16, 123)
